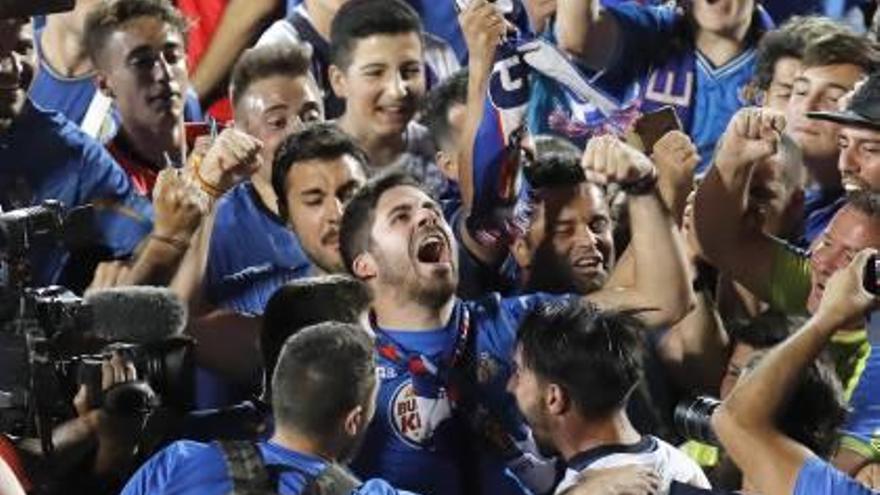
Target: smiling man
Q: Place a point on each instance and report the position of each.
(377, 66)
(137, 47)
(395, 239)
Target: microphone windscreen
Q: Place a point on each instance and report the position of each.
(139, 314)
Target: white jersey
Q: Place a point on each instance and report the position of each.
(668, 462)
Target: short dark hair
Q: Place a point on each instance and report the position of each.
(438, 102)
(263, 62)
(359, 19)
(789, 40)
(815, 410)
(594, 355)
(109, 17)
(309, 301)
(843, 47)
(763, 331)
(324, 371)
(316, 141)
(865, 202)
(360, 213)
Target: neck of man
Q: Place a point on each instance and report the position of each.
(823, 173)
(401, 313)
(61, 44)
(382, 150)
(581, 435)
(263, 185)
(293, 440)
(721, 47)
(153, 146)
(321, 17)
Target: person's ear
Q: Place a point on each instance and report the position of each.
(556, 400)
(522, 252)
(338, 81)
(364, 266)
(354, 421)
(102, 82)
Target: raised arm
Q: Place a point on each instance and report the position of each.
(745, 422)
(483, 27)
(587, 31)
(660, 282)
(728, 238)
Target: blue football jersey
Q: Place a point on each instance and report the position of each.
(418, 440)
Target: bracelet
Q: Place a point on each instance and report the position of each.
(642, 186)
(174, 242)
(209, 189)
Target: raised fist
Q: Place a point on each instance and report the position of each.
(178, 204)
(607, 159)
(675, 157)
(483, 27)
(752, 135)
(233, 156)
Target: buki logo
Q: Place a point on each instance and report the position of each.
(415, 419)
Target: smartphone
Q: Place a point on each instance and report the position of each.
(652, 126)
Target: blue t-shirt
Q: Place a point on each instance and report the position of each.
(187, 467)
(45, 156)
(252, 253)
(817, 477)
(416, 441)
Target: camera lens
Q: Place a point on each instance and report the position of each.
(693, 419)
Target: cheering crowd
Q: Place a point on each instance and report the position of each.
(452, 247)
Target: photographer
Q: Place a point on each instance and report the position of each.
(746, 422)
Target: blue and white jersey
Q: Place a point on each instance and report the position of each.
(45, 156)
(668, 462)
(818, 477)
(418, 439)
(719, 94)
(187, 467)
(252, 253)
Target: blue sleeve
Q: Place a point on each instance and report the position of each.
(379, 487)
(123, 217)
(643, 32)
(817, 476)
(184, 466)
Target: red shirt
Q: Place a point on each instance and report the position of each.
(141, 174)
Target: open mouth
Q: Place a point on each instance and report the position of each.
(588, 263)
(432, 249)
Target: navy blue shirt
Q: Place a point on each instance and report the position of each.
(45, 156)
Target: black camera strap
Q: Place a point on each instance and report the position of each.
(251, 476)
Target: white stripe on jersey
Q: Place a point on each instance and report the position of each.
(668, 462)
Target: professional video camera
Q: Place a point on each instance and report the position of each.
(52, 341)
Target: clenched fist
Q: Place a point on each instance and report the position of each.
(233, 156)
(752, 135)
(178, 205)
(483, 27)
(607, 160)
(675, 157)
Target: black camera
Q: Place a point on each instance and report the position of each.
(693, 419)
(870, 279)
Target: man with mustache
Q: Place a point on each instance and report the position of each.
(394, 238)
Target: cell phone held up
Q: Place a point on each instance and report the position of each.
(652, 126)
